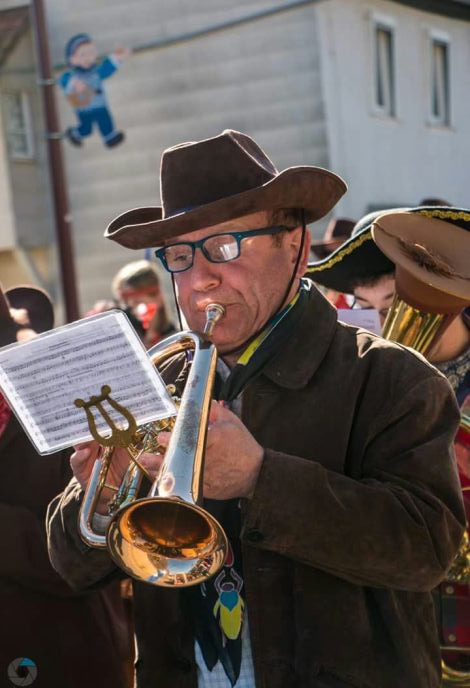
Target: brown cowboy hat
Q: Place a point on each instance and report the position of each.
(37, 304)
(204, 183)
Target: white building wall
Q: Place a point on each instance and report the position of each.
(393, 161)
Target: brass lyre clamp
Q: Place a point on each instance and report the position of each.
(119, 437)
(124, 438)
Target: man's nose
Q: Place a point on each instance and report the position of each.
(204, 274)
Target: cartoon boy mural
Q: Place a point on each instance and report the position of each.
(83, 86)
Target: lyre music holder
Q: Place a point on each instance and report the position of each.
(120, 437)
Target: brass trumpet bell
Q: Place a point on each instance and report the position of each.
(167, 542)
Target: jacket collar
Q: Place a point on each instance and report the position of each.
(300, 357)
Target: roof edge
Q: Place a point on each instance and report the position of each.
(456, 9)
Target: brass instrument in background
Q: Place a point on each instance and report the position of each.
(430, 288)
(430, 292)
(454, 677)
(414, 327)
(166, 538)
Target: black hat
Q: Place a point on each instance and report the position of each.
(359, 257)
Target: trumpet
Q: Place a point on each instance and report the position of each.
(166, 538)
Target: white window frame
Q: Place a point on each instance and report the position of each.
(28, 126)
(386, 23)
(444, 119)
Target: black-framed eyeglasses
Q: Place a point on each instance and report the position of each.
(218, 248)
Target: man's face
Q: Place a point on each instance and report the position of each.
(84, 56)
(144, 302)
(250, 287)
(379, 296)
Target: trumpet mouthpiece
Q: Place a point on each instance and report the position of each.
(214, 312)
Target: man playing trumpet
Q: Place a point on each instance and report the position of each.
(328, 463)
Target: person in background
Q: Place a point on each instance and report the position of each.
(73, 639)
(337, 232)
(358, 268)
(361, 269)
(104, 305)
(432, 200)
(136, 288)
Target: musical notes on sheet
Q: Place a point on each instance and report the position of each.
(41, 379)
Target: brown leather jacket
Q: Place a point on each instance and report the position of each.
(356, 516)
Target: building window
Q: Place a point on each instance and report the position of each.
(18, 127)
(440, 86)
(384, 65)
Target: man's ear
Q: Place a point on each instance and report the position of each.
(295, 240)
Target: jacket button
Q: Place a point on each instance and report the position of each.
(254, 536)
(450, 590)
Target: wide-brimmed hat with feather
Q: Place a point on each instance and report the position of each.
(204, 183)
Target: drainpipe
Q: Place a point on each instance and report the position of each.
(56, 164)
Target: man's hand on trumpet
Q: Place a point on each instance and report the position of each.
(83, 459)
(233, 457)
(232, 463)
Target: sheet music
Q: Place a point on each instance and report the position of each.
(42, 378)
(367, 318)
